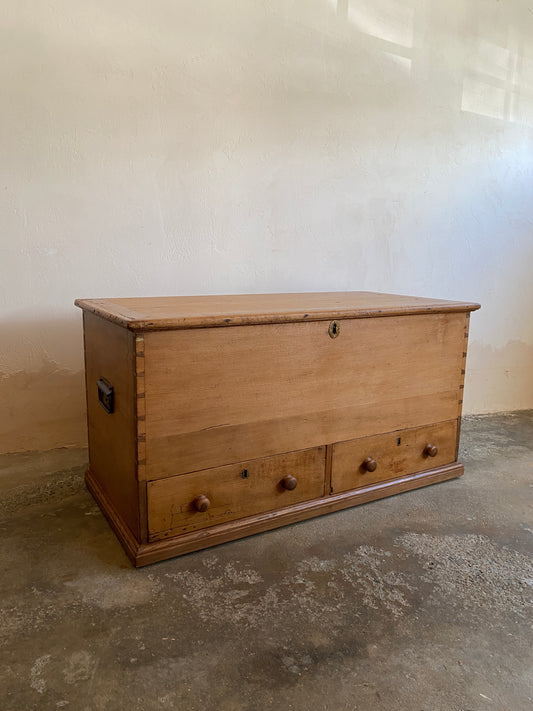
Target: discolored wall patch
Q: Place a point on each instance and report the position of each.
(42, 409)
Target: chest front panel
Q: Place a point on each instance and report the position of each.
(223, 395)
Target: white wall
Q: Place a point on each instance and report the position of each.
(181, 147)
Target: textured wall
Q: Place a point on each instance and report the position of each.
(214, 147)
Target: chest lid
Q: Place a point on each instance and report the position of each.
(160, 313)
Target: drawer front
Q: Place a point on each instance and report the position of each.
(176, 504)
(369, 460)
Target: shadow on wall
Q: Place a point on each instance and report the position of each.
(45, 408)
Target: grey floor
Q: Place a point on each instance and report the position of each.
(422, 602)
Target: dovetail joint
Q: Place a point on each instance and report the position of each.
(140, 406)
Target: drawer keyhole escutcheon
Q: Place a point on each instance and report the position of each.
(431, 450)
(334, 329)
(370, 465)
(201, 503)
(244, 474)
(289, 482)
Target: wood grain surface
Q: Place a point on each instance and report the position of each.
(215, 396)
(233, 491)
(395, 454)
(175, 312)
(109, 354)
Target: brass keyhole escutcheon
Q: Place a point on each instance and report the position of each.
(334, 329)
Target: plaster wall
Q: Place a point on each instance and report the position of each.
(251, 146)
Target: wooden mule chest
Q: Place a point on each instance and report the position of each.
(214, 417)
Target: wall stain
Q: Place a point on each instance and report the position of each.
(42, 410)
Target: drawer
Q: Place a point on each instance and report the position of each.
(369, 460)
(194, 501)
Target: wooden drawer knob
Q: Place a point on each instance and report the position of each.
(289, 482)
(201, 503)
(431, 450)
(370, 465)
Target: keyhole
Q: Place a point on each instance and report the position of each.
(334, 329)
(244, 473)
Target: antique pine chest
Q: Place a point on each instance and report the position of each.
(214, 417)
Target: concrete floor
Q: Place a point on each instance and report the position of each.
(422, 602)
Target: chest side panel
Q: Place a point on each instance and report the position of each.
(221, 395)
(109, 354)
